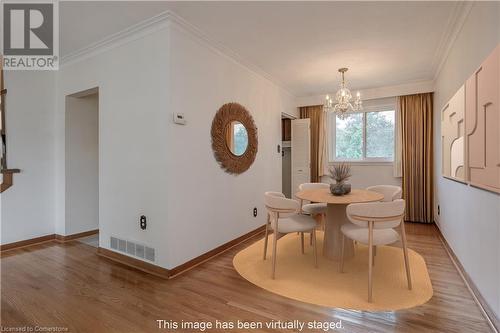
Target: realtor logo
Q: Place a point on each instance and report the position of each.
(30, 39)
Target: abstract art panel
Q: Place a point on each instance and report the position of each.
(483, 124)
(453, 136)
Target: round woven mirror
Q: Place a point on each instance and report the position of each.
(234, 138)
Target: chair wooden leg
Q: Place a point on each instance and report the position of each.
(317, 218)
(374, 254)
(405, 253)
(275, 241)
(341, 265)
(311, 234)
(265, 240)
(315, 248)
(370, 260)
(302, 242)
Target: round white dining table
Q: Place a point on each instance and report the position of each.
(336, 217)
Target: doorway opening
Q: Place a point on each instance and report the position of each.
(286, 154)
(82, 166)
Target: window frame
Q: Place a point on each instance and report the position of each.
(332, 129)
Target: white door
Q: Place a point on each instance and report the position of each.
(301, 153)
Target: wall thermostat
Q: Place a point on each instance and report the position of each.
(179, 119)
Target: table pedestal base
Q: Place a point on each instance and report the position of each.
(332, 243)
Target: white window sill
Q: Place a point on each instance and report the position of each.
(366, 162)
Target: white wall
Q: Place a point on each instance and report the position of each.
(470, 218)
(370, 174)
(28, 206)
(82, 164)
(207, 206)
(133, 135)
(148, 165)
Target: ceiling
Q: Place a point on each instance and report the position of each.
(300, 45)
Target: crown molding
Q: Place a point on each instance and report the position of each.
(407, 88)
(454, 25)
(157, 23)
(125, 36)
(222, 50)
(165, 19)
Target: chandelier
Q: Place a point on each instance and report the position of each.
(342, 105)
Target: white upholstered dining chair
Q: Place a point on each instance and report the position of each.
(390, 192)
(283, 217)
(314, 208)
(373, 224)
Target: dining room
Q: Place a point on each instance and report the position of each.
(253, 166)
(321, 242)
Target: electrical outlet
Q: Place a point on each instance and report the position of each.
(279, 148)
(255, 212)
(439, 210)
(143, 222)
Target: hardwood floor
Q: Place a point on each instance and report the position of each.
(69, 286)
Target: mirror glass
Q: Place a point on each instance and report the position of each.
(237, 138)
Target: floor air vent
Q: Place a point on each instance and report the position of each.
(133, 249)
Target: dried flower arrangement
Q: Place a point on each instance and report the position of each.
(340, 172)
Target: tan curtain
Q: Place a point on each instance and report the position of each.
(318, 139)
(323, 145)
(398, 145)
(417, 156)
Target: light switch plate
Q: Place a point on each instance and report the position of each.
(179, 119)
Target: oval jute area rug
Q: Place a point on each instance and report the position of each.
(297, 278)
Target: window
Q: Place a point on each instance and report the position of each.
(364, 136)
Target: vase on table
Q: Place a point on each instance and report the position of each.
(337, 189)
(346, 187)
(340, 173)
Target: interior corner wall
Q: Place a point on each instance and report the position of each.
(469, 217)
(209, 207)
(132, 79)
(27, 209)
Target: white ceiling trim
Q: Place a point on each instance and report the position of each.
(127, 35)
(162, 20)
(154, 24)
(375, 93)
(224, 51)
(454, 26)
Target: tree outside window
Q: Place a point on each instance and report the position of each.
(365, 136)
